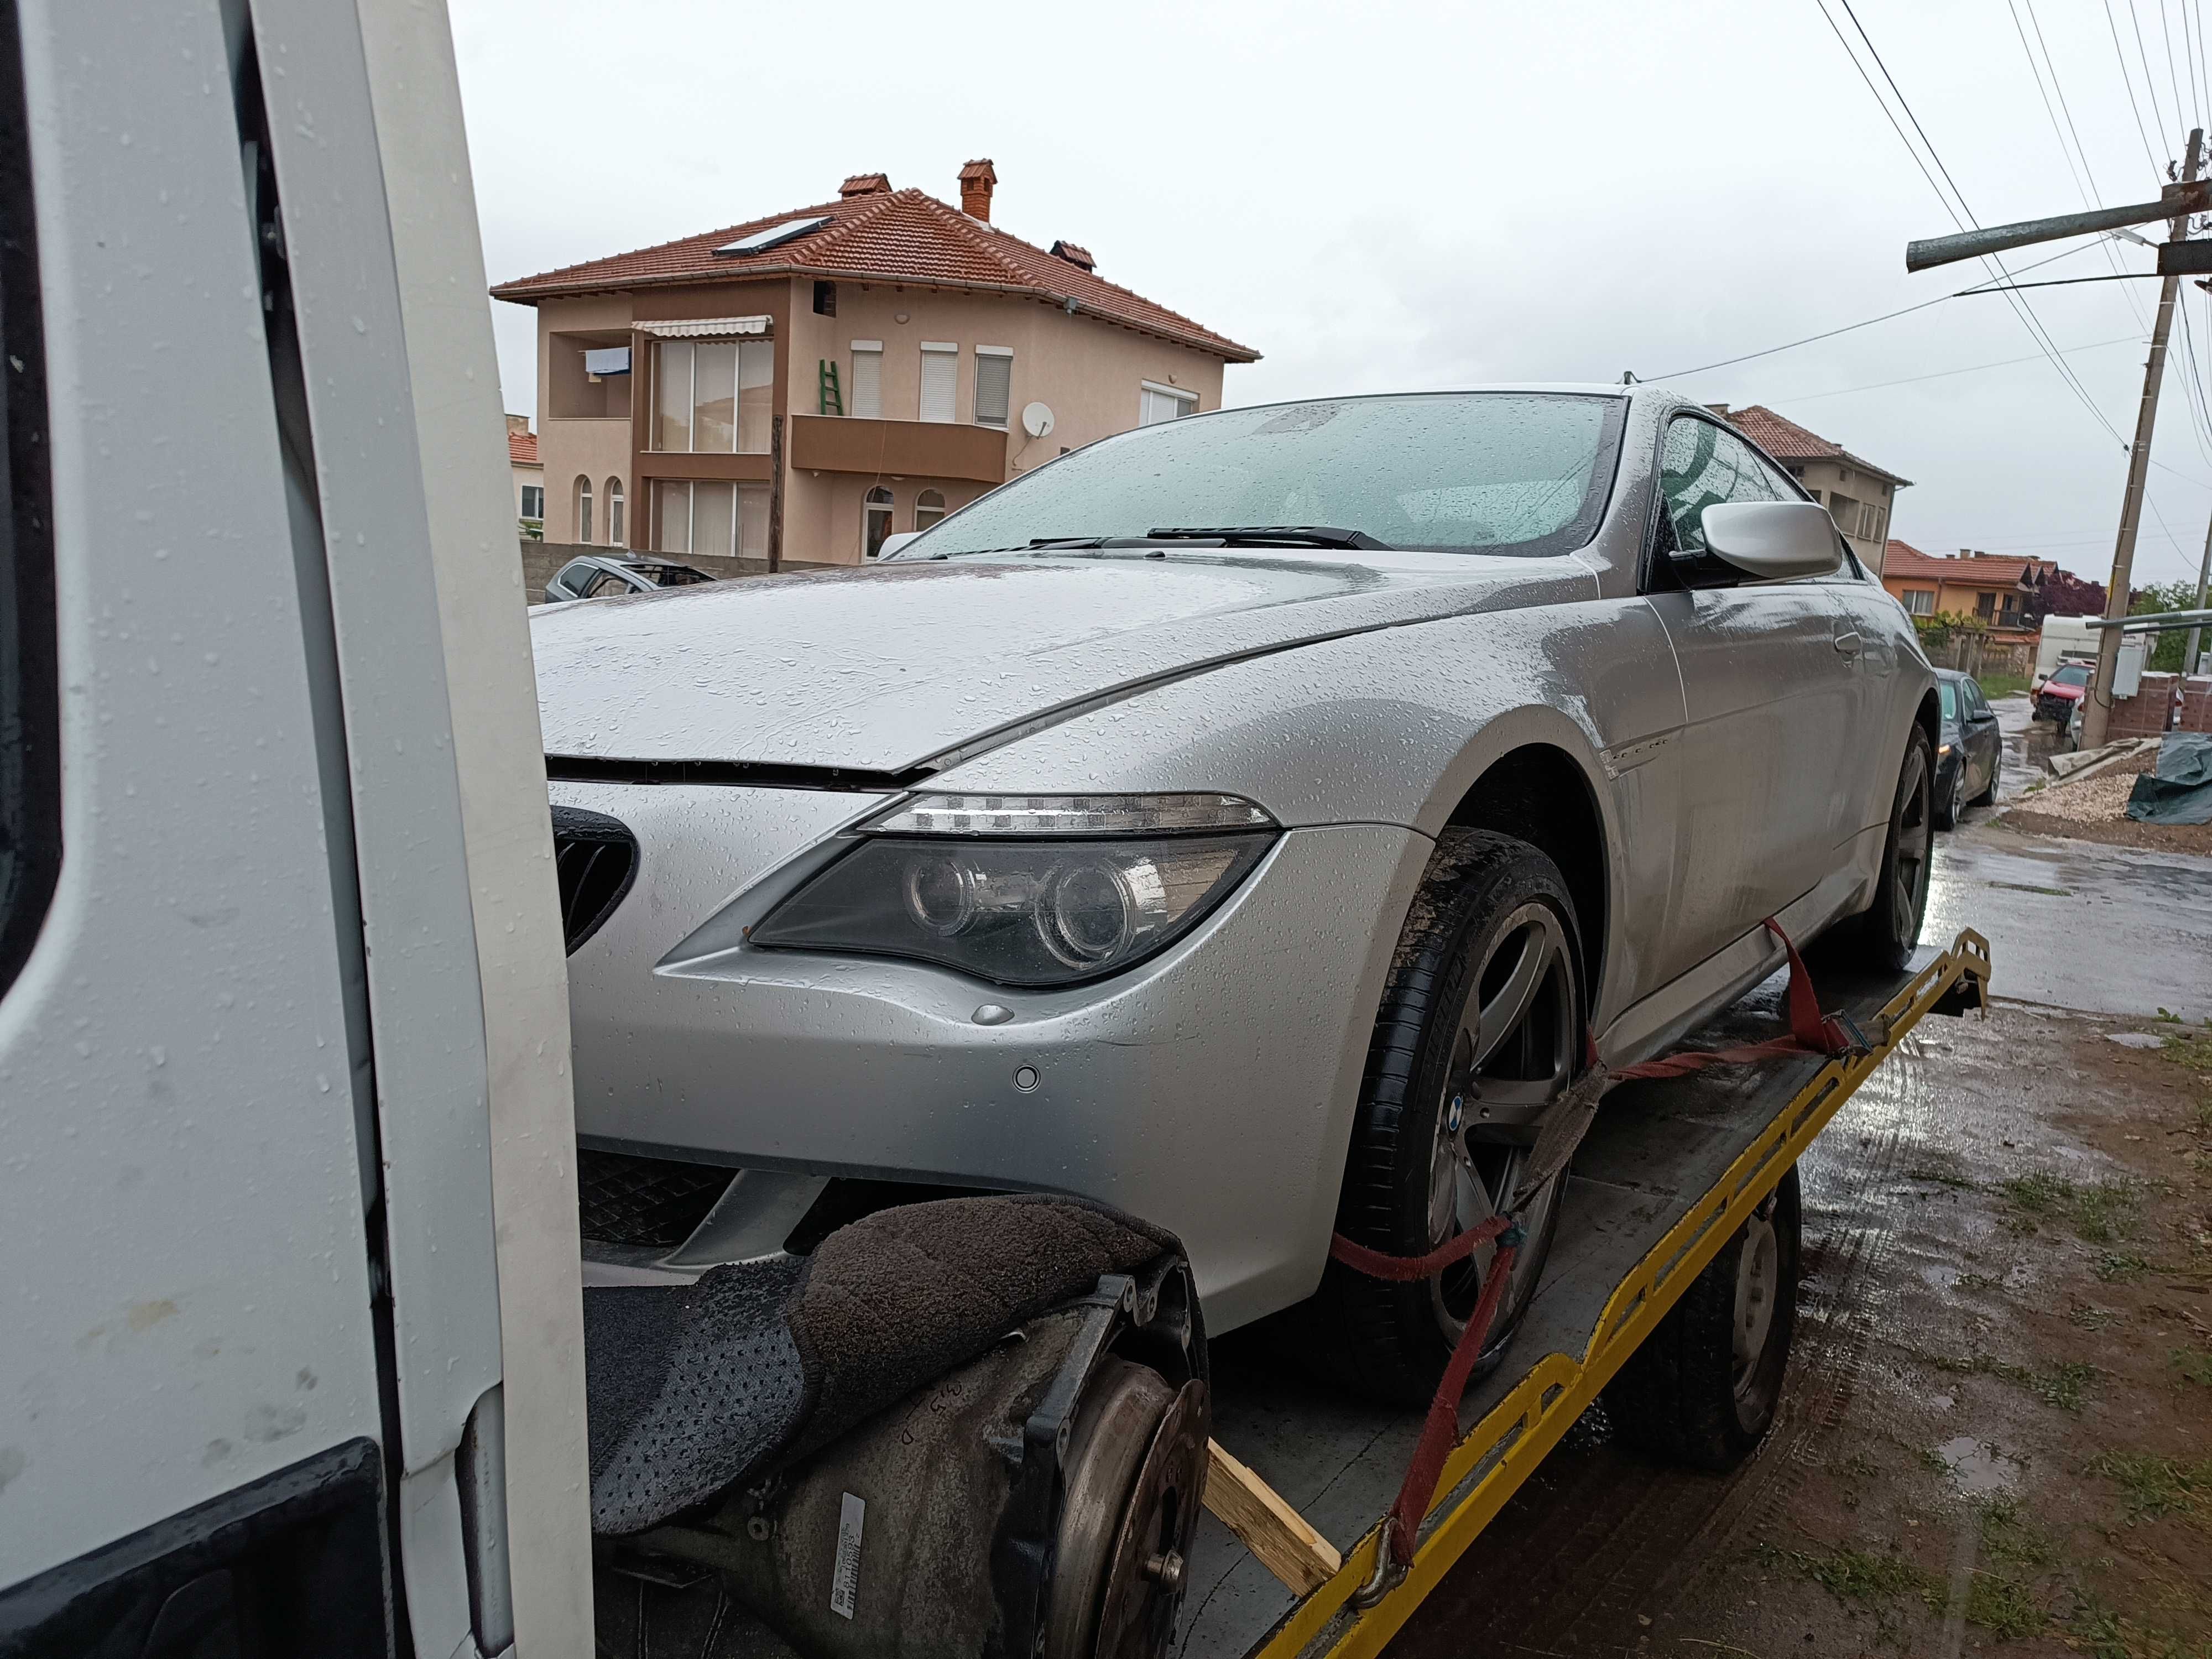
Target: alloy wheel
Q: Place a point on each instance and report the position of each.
(1916, 832)
(1514, 1053)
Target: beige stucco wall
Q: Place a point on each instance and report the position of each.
(1087, 371)
(597, 449)
(1828, 477)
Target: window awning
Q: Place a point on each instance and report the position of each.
(694, 328)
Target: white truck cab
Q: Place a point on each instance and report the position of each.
(293, 1358)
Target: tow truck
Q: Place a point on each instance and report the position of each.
(296, 1339)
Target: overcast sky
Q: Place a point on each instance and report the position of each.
(1388, 197)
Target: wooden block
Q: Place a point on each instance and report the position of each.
(1274, 1531)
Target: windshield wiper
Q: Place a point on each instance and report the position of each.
(1269, 535)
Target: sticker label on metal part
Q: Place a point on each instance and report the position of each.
(845, 1580)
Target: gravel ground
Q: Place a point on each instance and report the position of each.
(2096, 809)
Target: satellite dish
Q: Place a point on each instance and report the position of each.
(1037, 420)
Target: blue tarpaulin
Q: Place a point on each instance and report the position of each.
(2180, 789)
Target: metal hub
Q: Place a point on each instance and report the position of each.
(1514, 1057)
(1757, 1278)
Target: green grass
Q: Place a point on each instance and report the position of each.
(2152, 1486)
(2194, 1364)
(2115, 1265)
(2002, 1607)
(2010, 1539)
(2100, 1213)
(2001, 685)
(2065, 1385)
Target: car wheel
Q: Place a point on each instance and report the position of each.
(1703, 1387)
(1480, 1032)
(1883, 936)
(1951, 800)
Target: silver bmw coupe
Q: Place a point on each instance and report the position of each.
(1244, 821)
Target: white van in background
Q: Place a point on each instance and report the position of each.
(2063, 637)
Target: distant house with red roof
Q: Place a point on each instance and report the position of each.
(1993, 587)
(529, 476)
(1858, 493)
(819, 379)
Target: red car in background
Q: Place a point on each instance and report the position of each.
(2055, 699)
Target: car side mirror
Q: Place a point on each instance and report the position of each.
(1773, 540)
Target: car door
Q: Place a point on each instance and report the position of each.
(1768, 690)
(1985, 742)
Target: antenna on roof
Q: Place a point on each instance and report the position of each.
(1628, 377)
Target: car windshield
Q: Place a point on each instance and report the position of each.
(1949, 693)
(1464, 473)
(2072, 674)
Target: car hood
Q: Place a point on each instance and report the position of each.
(884, 667)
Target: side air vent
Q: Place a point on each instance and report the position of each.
(597, 859)
(654, 1202)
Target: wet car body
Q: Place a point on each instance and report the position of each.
(2057, 697)
(1736, 747)
(1969, 749)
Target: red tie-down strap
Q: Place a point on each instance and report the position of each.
(1810, 1032)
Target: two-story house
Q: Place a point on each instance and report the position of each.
(1995, 588)
(1858, 493)
(802, 386)
(529, 476)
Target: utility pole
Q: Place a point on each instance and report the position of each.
(2097, 711)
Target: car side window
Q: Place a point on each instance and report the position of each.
(605, 584)
(1702, 463)
(572, 575)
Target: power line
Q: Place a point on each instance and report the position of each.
(2173, 80)
(2150, 82)
(2020, 307)
(2120, 58)
(1945, 373)
(1829, 334)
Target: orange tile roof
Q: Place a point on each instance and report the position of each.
(522, 449)
(884, 236)
(1979, 570)
(1786, 441)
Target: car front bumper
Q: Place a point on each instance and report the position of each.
(1209, 1090)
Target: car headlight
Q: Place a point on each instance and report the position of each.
(1034, 890)
(1942, 749)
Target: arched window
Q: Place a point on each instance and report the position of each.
(583, 509)
(928, 508)
(876, 521)
(617, 526)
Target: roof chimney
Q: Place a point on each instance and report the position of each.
(1078, 256)
(518, 426)
(866, 184)
(976, 180)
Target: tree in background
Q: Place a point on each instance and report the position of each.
(2166, 649)
(2065, 594)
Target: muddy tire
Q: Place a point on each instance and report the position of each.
(1482, 1024)
(1884, 935)
(1704, 1388)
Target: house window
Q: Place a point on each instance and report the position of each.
(994, 383)
(616, 525)
(876, 521)
(1920, 601)
(1156, 403)
(825, 299)
(1985, 605)
(583, 509)
(867, 380)
(712, 397)
(533, 500)
(1844, 511)
(928, 508)
(706, 519)
(940, 373)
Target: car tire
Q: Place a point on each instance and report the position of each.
(1884, 935)
(1703, 1387)
(1493, 919)
(1952, 802)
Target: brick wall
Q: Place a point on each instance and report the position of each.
(2144, 714)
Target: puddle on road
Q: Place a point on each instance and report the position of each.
(1979, 1467)
(2135, 1040)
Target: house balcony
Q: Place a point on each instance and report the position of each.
(905, 449)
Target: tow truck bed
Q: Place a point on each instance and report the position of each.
(1666, 1175)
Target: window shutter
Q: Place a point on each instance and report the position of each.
(868, 380)
(995, 380)
(940, 372)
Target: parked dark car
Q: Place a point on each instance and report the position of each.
(2058, 694)
(597, 577)
(1967, 753)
